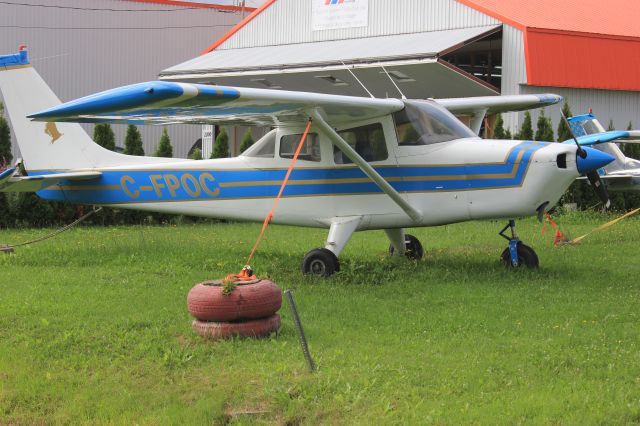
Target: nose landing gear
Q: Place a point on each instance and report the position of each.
(517, 254)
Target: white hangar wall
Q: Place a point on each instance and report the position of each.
(76, 62)
(289, 21)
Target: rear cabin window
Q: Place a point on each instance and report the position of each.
(424, 123)
(368, 141)
(310, 150)
(264, 148)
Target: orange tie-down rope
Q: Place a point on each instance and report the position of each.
(559, 236)
(247, 272)
(605, 226)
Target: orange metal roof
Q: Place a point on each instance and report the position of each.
(610, 17)
(589, 44)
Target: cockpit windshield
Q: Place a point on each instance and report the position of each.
(425, 123)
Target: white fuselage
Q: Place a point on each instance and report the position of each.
(446, 182)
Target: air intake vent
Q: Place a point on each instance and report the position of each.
(562, 161)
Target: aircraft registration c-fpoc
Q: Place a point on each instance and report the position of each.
(366, 164)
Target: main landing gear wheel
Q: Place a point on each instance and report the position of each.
(412, 248)
(321, 262)
(526, 257)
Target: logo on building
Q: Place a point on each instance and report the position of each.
(328, 2)
(335, 14)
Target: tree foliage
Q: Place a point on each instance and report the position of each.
(498, 128)
(563, 130)
(221, 145)
(247, 141)
(526, 131)
(103, 136)
(196, 154)
(164, 148)
(133, 141)
(544, 131)
(5, 140)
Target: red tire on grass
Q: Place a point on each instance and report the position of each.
(248, 300)
(225, 330)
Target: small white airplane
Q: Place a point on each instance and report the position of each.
(367, 163)
(623, 173)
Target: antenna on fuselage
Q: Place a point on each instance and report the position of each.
(393, 82)
(358, 80)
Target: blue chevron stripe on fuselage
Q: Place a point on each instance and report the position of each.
(146, 186)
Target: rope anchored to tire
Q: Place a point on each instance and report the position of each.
(241, 305)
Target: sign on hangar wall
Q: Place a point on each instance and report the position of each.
(334, 14)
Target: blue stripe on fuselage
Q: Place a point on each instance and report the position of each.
(115, 187)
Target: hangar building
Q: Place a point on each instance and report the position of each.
(85, 46)
(585, 50)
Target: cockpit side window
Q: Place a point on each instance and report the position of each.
(368, 141)
(425, 123)
(264, 148)
(310, 150)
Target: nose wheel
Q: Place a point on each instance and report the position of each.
(517, 254)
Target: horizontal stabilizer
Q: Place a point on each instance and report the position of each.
(11, 183)
(623, 136)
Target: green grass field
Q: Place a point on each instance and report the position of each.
(94, 329)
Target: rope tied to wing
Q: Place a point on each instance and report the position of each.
(269, 216)
(246, 274)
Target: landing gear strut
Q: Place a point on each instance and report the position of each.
(407, 244)
(517, 254)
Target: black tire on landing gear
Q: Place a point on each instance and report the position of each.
(526, 257)
(412, 248)
(321, 262)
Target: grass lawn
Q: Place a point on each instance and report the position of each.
(94, 329)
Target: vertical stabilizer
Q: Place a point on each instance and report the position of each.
(49, 146)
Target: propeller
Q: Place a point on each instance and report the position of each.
(592, 175)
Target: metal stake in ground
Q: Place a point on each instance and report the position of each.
(303, 340)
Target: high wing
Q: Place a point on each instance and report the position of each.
(161, 102)
(624, 136)
(10, 182)
(496, 104)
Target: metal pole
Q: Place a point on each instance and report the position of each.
(303, 340)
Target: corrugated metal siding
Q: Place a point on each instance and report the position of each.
(289, 21)
(621, 107)
(79, 62)
(514, 67)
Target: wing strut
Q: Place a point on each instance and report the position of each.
(364, 166)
